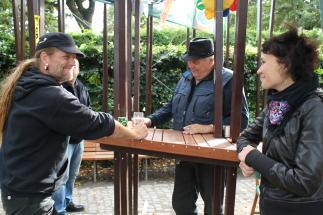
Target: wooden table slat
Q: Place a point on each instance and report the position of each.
(158, 135)
(150, 134)
(200, 141)
(189, 140)
(219, 143)
(172, 136)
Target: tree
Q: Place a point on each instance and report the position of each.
(81, 13)
(303, 13)
(6, 16)
(6, 23)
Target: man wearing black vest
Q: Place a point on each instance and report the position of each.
(191, 109)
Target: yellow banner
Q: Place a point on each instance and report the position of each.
(36, 18)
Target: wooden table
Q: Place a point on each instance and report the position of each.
(172, 144)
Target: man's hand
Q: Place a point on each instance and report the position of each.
(147, 121)
(246, 170)
(198, 129)
(140, 130)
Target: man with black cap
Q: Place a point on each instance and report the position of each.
(191, 109)
(37, 118)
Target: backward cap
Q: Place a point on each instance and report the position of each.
(62, 41)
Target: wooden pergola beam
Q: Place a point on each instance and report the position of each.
(218, 59)
(36, 23)
(259, 30)
(61, 16)
(15, 12)
(238, 68)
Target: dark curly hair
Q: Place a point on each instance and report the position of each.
(297, 53)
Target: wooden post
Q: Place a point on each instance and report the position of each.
(238, 68)
(194, 33)
(187, 38)
(136, 92)
(270, 33)
(33, 20)
(231, 179)
(41, 17)
(129, 56)
(61, 16)
(130, 170)
(15, 13)
(121, 100)
(259, 30)
(105, 78)
(227, 44)
(272, 18)
(149, 65)
(218, 189)
(218, 59)
(136, 101)
(23, 28)
(120, 59)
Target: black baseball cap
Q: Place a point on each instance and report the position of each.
(62, 41)
(199, 48)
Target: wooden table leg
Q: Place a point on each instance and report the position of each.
(117, 164)
(130, 183)
(124, 184)
(218, 189)
(231, 180)
(135, 184)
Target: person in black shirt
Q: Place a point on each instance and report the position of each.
(37, 118)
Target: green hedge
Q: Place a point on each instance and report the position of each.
(7, 53)
(167, 65)
(167, 68)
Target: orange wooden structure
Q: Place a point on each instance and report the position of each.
(169, 141)
(218, 151)
(202, 148)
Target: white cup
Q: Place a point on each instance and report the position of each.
(226, 131)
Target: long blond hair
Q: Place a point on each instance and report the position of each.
(8, 85)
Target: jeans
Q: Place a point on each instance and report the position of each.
(26, 205)
(64, 195)
(190, 180)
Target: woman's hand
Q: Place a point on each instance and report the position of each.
(245, 151)
(198, 129)
(246, 170)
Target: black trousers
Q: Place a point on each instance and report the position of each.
(190, 180)
(280, 207)
(26, 205)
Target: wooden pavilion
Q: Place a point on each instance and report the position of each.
(126, 160)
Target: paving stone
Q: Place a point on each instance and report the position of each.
(98, 197)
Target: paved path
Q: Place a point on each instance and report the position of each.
(155, 194)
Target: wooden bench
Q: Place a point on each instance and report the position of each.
(93, 152)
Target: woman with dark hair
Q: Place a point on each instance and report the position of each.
(290, 127)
